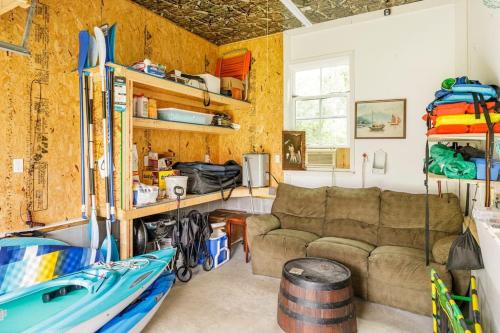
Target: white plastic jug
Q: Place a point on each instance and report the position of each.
(172, 182)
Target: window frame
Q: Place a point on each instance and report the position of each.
(290, 99)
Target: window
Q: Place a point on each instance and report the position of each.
(320, 105)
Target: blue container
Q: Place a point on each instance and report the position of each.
(481, 169)
(185, 116)
(218, 249)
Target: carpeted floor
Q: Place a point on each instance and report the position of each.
(232, 299)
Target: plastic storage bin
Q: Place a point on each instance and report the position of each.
(183, 116)
(217, 245)
(480, 166)
(172, 182)
(212, 83)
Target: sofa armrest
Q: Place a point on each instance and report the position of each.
(260, 225)
(441, 249)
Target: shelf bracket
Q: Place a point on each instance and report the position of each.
(22, 49)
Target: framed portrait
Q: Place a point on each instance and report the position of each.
(294, 150)
(381, 119)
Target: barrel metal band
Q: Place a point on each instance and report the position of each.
(316, 305)
(313, 320)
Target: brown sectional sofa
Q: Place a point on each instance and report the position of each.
(378, 234)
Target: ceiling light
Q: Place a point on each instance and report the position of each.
(296, 12)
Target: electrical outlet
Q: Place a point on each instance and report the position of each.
(17, 165)
(277, 158)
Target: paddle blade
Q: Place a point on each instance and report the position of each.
(93, 231)
(110, 42)
(106, 245)
(83, 42)
(93, 53)
(101, 48)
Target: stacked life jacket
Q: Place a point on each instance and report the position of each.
(468, 107)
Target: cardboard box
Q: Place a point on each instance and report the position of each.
(157, 178)
(230, 82)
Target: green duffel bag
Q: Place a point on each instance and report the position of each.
(459, 169)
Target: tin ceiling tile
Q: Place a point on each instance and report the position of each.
(227, 21)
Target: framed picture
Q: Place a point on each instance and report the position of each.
(294, 150)
(384, 119)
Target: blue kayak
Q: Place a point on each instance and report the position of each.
(138, 314)
(83, 301)
(29, 241)
(25, 266)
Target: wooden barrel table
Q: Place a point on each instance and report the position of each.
(316, 296)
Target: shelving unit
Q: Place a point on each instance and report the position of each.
(163, 125)
(466, 137)
(166, 93)
(457, 137)
(192, 200)
(462, 181)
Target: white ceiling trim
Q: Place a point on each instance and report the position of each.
(296, 12)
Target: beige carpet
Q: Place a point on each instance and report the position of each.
(232, 299)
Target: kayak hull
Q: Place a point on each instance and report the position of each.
(102, 292)
(135, 317)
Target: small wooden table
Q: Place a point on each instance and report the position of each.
(240, 220)
(232, 218)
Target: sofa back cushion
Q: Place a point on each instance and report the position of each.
(300, 208)
(402, 218)
(352, 213)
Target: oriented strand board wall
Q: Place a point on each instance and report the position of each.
(263, 125)
(39, 112)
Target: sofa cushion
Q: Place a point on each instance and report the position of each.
(441, 249)
(303, 236)
(352, 213)
(402, 218)
(354, 254)
(398, 276)
(272, 250)
(300, 208)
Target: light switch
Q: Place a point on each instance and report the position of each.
(17, 165)
(277, 158)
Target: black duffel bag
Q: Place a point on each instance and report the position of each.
(206, 177)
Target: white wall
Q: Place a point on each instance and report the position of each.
(484, 65)
(405, 55)
(484, 42)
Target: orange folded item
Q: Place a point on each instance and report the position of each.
(458, 108)
(450, 109)
(489, 105)
(452, 129)
(449, 129)
(483, 128)
(432, 131)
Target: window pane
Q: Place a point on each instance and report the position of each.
(334, 79)
(313, 131)
(334, 106)
(307, 83)
(324, 133)
(335, 131)
(307, 109)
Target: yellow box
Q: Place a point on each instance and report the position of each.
(157, 178)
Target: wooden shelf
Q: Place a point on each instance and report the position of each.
(458, 137)
(156, 124)
(463, 181)
(8, 5)
(191, 200)
(160, 87)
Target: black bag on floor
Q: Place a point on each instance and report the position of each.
(465, 253)
(206, 177)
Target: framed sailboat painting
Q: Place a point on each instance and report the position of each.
(380, 119)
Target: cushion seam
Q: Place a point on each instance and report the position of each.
(356, 247)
